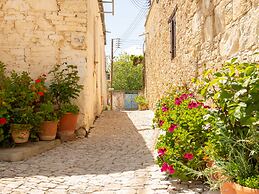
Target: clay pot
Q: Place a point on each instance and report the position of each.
(48, 130)
(67, 125)
(245, 190)
(20, 132)
(228, 188)
(143, 107)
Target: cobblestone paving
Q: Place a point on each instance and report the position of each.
(117, 157)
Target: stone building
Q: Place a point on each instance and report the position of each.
(183, 35)
(37, 34)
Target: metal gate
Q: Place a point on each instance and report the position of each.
(129, 102)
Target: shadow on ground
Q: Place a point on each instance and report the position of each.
(114, 145)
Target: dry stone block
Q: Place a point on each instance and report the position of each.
(78, 40)
(18, 5)
(23, 26)
(240, 7)
(230, 42)
(74, 5)
(208, 29)
(219, 18)
(43, 5)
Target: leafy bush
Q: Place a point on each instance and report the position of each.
(251, 182)
(181, 147)
(71, 108)
(47, 112)
(141, 100)
(65, 83)
(234, 145)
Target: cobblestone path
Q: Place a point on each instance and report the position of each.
(117, 157)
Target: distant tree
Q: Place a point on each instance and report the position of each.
(126, 76)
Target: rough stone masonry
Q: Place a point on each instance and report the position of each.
(37, 34)
(207, 32)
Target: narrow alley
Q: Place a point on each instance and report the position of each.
(117, 157)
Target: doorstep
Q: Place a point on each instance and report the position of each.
(27, 150)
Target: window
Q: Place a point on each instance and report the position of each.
(172, 23)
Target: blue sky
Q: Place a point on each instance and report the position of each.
(126, 14)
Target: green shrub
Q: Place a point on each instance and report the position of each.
(141, 100)
(234, 145)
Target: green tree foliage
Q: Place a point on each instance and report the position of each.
(126, 76)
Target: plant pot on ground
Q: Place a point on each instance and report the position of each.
(64, 88)
(21, 126)
(142, 102)
(20, 132)
(68, 121)
(48, 128)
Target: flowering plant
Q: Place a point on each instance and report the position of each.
(181, 147)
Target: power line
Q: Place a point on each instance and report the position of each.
(145, 4)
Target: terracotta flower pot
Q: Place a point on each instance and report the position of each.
(20, 132)
(228, 188)
(143, 107)
(48, 130)
(245, 190)
(67, 124)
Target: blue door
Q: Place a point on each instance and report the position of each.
(129, 103)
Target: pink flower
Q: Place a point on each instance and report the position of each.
(177, 101)
(191, 95)
(161, 123)
(3, 121)
(164, 108)
(171, 170)
(161, 151)
(172, 128)
(164, 167)
(188, 156)
(193, 105)
(183, 97)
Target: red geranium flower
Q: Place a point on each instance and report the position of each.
(164, 167)
(3, 121)
(161, 123)
(193, 105)
(172, 128)
(171, 170)
(183, 97)
(161, 151)
(37, 81)
(40, 93)
(177, 101)
(164, 108)
(188, 156)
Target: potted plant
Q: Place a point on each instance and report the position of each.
(21, 98)
(234, 144)
(64, 88)
(68, 121)
(48, 128)
(142, 102)
(21, 124)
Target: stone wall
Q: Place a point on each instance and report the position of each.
(37, 34)
(207, 32)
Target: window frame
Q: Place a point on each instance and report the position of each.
(172, 26)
